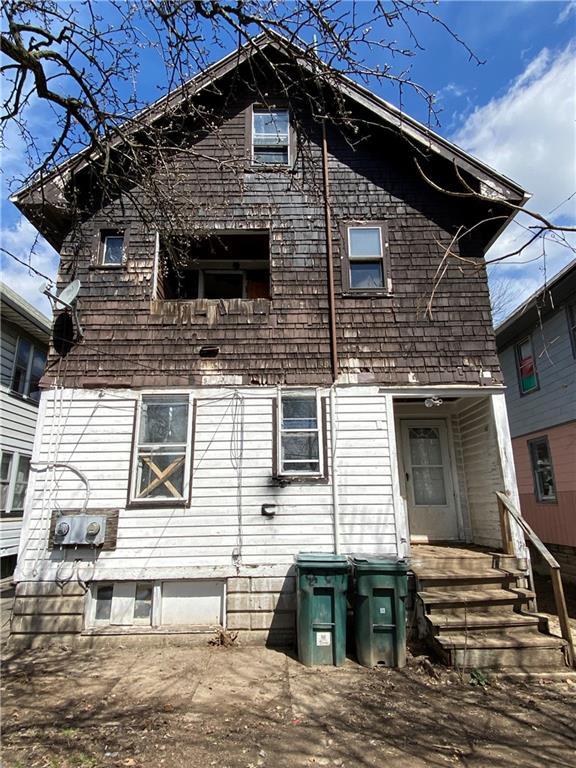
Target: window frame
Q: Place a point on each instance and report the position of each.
(27, 394)
(532, 448)
(99, 248)
(517, 346)
(11, 483)
(133, 499)
(321, 429)
(204, 271)
(290, 145)
(347, 259)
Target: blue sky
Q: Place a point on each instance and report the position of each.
(516, 112)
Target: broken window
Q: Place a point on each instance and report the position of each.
(223, 266)
(162, 452)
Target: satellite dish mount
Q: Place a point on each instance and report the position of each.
(67, 298)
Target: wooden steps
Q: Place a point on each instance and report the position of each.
(473, 611)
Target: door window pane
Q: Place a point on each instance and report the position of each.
(429, 487)
(425, 446)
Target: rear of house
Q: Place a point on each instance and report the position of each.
(537, 348)
(264, 378)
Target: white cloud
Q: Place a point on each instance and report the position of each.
(529, 135)
(568, 10)
(23, 241)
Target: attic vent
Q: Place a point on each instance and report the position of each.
(222, 266)
(209, 351)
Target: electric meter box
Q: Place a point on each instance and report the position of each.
(80, 530)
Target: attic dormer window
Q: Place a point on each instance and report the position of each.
(112, 249)
(270, 136)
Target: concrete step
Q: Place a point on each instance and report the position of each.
(450, 623)
(475, 600)
(525, 650)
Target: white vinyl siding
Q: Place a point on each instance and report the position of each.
(231, 480)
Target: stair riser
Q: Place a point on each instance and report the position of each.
(479, 607)
(449, 585)
(486, 629)
(464, 564)
(503, 658)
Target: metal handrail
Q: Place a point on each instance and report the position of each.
(507, 511)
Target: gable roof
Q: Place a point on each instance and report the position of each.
(411, 129)
(547, 299)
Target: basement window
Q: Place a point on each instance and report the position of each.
(222, 266)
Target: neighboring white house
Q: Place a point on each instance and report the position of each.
(24, 343)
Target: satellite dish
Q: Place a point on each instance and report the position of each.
(69, 294)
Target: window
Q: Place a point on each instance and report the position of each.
(364, 267)
(28, 369)
(544, 486)
(270, 136)
(14, 472)
(112, 248)
(162, 450)
(300, 435)
(218, 266)
(526, 367)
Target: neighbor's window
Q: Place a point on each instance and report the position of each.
(111, 248)
(162, 450)
(14, 473)
(364, 268)
(270, 136)
(544, 486)
(526, 366)
(28, 369)
(300, 434)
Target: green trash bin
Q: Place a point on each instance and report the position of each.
(381, 587)
(321, 608)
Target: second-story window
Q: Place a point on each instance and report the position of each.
(300, 432)
(162, 449)
(270, 136)
(544, 486)
(14, 472)
(111, 248)
(28, 369)
(364, 264)
(526, 367)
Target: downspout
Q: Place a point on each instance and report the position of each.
(333, 341)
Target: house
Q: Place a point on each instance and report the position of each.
(256, 373)
(537, 350)
(24, 337)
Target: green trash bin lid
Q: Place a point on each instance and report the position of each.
(382, 563)
(321, 559)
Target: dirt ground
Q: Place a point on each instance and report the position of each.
(242, 707)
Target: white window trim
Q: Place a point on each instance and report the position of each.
(287, 164)
(162, 500)
(104, 242)
(279, 431)
(12, 483)
(376, 258)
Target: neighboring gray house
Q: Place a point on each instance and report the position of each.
(537, 349)
(23, 346)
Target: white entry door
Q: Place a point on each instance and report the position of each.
(432, 513)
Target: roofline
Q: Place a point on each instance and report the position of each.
(25, 309)
(532, 300)
(362, 95)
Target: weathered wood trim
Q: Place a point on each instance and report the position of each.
(400, 508)
(110, 538)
